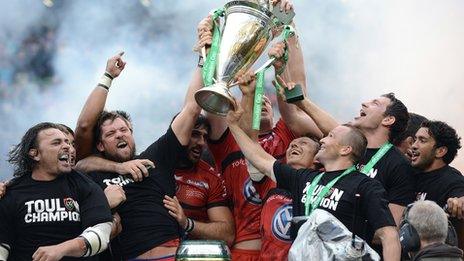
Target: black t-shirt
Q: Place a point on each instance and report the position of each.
(340, 200)
(145, 221)
(42, 213)
(439, 185)
(395, 173)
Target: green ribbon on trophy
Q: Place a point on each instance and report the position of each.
(258, 100)
(210, 60)
(287, 32)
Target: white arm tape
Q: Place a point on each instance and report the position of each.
(255, 174)
(4, 251)
(97, 238)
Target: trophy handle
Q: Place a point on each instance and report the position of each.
(268, 63)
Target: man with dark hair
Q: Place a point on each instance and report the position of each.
(70, 135)
(381, 120)
(336, 155)
(201, 202)
(51, 212)
(435, 148)
(405, 140)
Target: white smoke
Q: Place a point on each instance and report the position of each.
(354, 50)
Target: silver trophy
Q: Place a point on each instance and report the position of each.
(245, 35)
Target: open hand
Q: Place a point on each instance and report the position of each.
(175, 210)
(48, 253)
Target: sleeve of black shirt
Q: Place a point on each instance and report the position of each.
(166, 150)
(93, 205)
(456, 187)
(374, 204)
(287, 177)
(401, 185)
(6, 221)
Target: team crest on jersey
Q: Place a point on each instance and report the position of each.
(250, 193)
(51, 210)
(281, 222)
(68, 204)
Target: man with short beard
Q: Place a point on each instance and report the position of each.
(201, 203)
(435, 148)
(51, 212)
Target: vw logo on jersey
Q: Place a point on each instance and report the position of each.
(250, 193)
(281, 222)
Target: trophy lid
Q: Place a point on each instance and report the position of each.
(266, 13)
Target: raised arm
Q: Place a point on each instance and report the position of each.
(251, 149)
(94, 106)
(324, 121)
(299, 122)
(183, 123)
(247, 84)
(205, 32)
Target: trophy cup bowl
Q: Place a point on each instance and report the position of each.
(245, 35)
(202, 250)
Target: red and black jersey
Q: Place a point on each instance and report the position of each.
(245, 196)
(276, 219)
(199, 189)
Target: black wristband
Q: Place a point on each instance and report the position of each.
(109, 75)
(88, 247)
(190, 225)
(201, 61)
(193, 225)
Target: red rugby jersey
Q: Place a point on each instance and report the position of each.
(245, 197)
(276, 218)
(198, 189)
